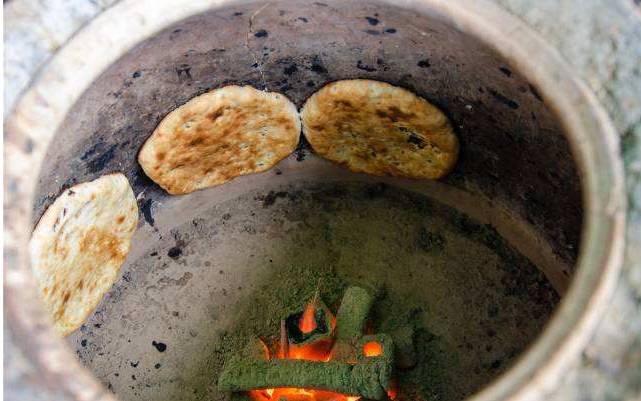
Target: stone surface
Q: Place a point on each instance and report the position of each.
(600, 38)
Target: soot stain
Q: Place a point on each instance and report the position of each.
(161, 347)
(175, 252)
(301, 149)
(503, 99)
(372, 21)
(305, 20)
(317, 65)
(506, 71)
(184, 72)
(290, 69)
(261, 33)
(425, 63)
(364, 67)
(271, 197)
(91, 151)
(141, 180)
(174, 34)
(146, 211)
(535, 92)
(98, 164)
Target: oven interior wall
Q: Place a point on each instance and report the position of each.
(512, 147)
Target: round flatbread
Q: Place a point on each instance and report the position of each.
(220, 135)
(376, 128)
(79, 245)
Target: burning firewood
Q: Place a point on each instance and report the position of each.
(350, 322)
(256, 349)
(283, 343)
(320, 353)
(310, 333)
(361, 379)
(352, 314)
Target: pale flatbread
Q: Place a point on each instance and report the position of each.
(78, 246)
(376, 128)
(220, 135)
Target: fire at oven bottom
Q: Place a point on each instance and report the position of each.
(449, 289)
(319, 357)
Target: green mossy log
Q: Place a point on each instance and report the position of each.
(256, 349)
(352, 314)
(368, 379)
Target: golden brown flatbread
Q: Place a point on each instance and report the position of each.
(79, 245)
(220, 135)
(376, 128)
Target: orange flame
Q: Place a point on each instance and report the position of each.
(317, 351)
(393, 391)
(307, 322)
(372, 348)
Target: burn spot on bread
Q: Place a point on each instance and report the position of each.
(197, 141)
(416, 140)
(216, 114)
(395, 114)
(344, 103)
(101, 244)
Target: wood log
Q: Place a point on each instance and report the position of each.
(350, 322)
(367, 379)
(256, 349)
(352, 314)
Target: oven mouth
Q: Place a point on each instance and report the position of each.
(591, 137)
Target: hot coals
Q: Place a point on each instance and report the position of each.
(318, 357)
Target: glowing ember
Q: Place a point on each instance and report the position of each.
(308, 320)
(310, 335)
(393, 391)
(316, 351)
(298, 394)
(372, 348)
